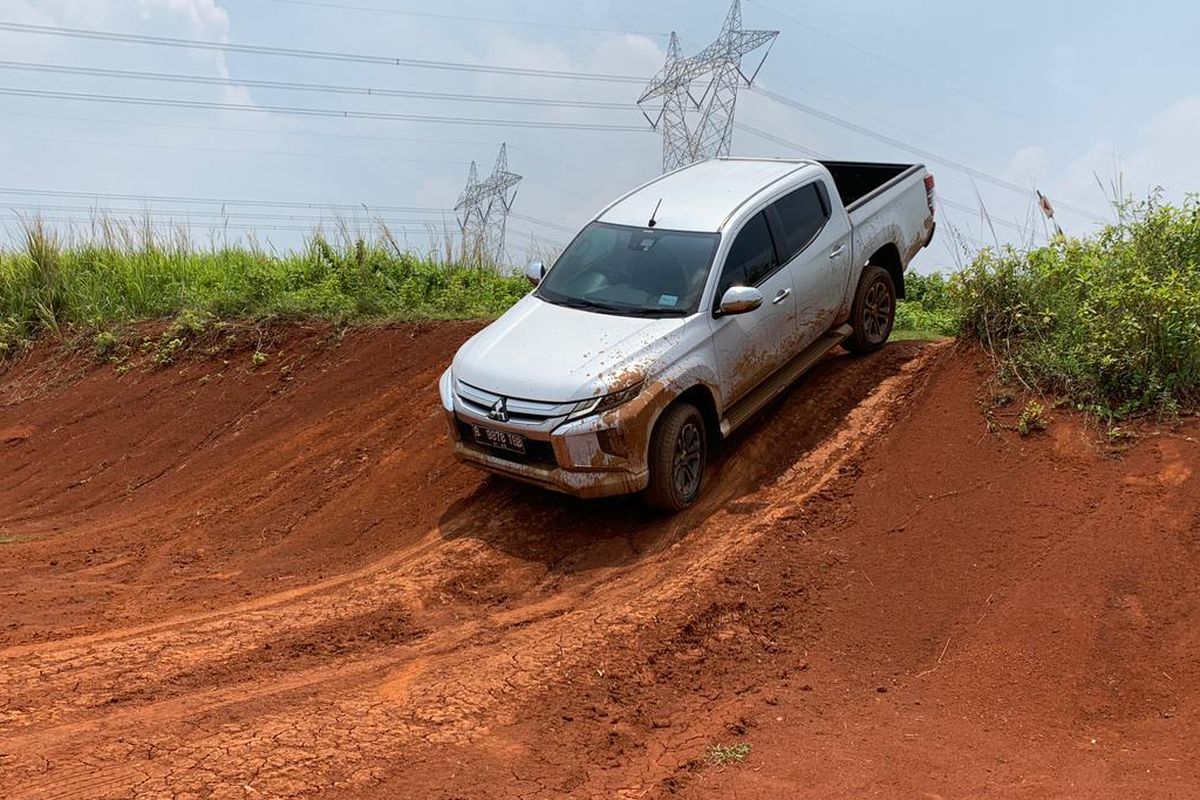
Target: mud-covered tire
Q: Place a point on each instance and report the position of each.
(874, 311)
(678, 455)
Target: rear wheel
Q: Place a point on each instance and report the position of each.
(873, 312)
(678, 453)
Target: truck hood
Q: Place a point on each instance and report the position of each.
(541, 351)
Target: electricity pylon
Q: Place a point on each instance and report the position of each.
(483, 209)
(712, 134)
(724, 59)
(673, 85)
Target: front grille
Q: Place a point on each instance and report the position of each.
(537, 453)
(520, 411)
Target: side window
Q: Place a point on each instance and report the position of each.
(751, 257)
(803, 213)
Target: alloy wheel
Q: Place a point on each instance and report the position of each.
(685, 465)
(877, 312)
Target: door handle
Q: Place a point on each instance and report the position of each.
(783, 295)
(837, 251)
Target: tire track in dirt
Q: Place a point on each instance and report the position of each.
(430, 645)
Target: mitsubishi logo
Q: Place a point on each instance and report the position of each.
(499, 411)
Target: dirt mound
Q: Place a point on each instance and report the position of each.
(228, 579)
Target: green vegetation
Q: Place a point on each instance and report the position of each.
(1111, 324)
(720, 754)
(48, 284)
(927, 311)
(1032, 419)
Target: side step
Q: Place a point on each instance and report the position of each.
(773, 386)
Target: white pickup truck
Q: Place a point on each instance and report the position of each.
(681, 310)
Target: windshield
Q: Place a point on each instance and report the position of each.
(614, 269)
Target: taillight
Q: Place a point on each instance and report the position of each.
(929, 184)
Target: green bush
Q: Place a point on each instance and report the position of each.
(928, 308)
(1111, 323)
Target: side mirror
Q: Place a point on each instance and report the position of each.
(740, 299)
(535, 271)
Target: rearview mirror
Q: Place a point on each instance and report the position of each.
(740, 299)
(535, 272)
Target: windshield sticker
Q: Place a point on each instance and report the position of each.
(668, 300)
(644, 244)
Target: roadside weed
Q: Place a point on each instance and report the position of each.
(720, 755)
(1032, 419)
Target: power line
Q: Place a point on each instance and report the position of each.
(906, 68)
(222, 201)
(551, 225)
(252, 203)
(319, 226)
(172, 77)
(969, 210)
(271, 131)
(213, 226)
(466, 18)
(820, 155)
(316, 112)
(322, 55)
(770, 137)
(897, 143)
(233, 150)
(248, 215)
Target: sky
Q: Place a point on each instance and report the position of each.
(1080, 100)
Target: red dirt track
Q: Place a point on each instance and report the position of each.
(218, 581)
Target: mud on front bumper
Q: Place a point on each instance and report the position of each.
(588, 458)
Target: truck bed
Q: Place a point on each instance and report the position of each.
(857, 181)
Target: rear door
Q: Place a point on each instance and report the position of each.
(751, 346)
(814, 243)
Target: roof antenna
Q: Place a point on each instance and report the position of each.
(654, 214)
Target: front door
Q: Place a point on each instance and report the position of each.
(751, 346)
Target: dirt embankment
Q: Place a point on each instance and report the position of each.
(222, 580)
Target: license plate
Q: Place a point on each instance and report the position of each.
(501, 440)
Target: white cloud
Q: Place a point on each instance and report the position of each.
(1163, 155)
(190, 19)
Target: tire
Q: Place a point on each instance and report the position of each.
(678, 454)
(873, 312)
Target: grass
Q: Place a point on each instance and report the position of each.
(1110, 324)
(123, 274)
(721, 755)
(911, 335)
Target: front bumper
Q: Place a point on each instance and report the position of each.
(597, 456)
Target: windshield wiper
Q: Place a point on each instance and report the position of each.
(621, 311)
(652, 312)
(580, 302)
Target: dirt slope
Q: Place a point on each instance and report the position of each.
(220, 581)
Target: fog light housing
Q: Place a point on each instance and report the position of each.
(612, 441)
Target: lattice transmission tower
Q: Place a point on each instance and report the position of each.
(693, 129)
(483, 209)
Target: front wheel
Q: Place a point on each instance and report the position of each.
(873, 312)
(678, 453)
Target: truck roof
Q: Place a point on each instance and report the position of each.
(702, 196)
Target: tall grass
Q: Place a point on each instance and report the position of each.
(1111, 323)
(126, 272)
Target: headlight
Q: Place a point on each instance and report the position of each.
(446, 389)
(598, 405)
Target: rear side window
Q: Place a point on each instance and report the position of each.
(802, 213)
(751, 256)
